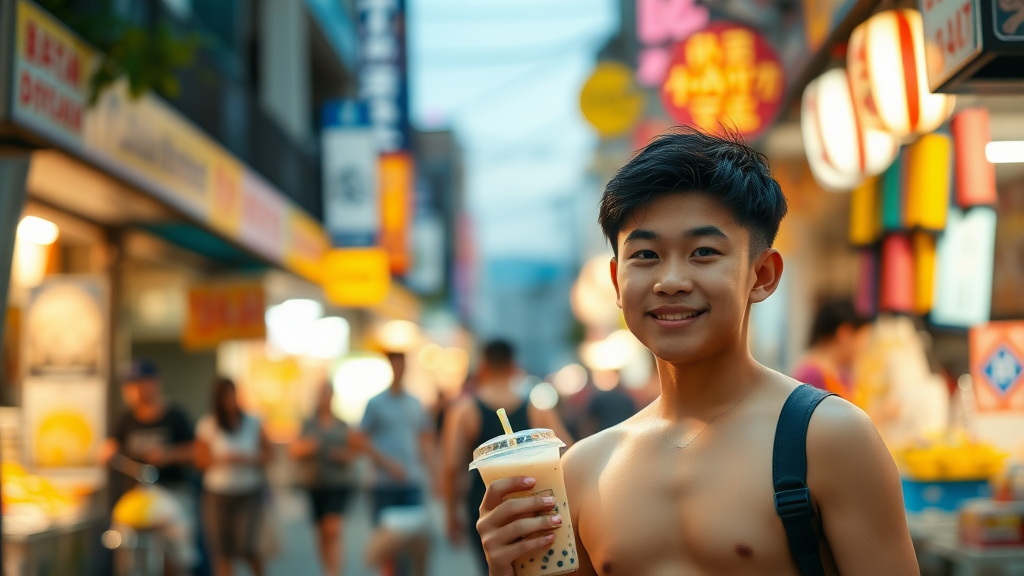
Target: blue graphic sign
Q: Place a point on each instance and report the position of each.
(1003, 369)
(383, 81)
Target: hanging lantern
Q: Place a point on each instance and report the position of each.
(866, 213)
(892, 196)
(975, 176)
(841, 148)
(889, 78)
(897, 290)
(866, 301)
(926, 182)
(924, 272)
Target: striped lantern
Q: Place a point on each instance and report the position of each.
(926, 182)
(866, 213)
(866, 301)
(841, 148)
(886, 59)
(975, 176)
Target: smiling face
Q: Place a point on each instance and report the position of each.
(685, 277)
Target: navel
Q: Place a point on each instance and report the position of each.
(744, 551)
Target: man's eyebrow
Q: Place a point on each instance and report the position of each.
(640, 234)
(702, 231)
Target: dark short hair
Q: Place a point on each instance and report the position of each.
(499, 354)
(831, 315)
(225, 421)
(686, 159)
(140, 369)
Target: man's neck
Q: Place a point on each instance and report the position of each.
(396, 389)
(703, 388)
(151, 411)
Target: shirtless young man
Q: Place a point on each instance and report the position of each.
(685, 486)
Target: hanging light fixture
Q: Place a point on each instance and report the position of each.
(889, 78)
(841, 149)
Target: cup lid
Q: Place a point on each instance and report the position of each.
(535, 438)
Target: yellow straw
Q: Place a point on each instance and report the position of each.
(504, 421)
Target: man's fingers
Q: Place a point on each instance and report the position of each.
(514, 509)
(499, 489)
(515, 531)
(498, 555)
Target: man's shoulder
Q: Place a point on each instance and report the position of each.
(589, 455)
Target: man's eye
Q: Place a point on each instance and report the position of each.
(704, 252)
(644, 255)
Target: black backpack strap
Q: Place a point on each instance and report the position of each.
(789, 475)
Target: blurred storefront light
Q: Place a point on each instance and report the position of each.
(357, 379)
(290, 325)
(544, 396)
(31, 251)
(605, 380)
(1007, 152)
(330, 338)
(593, 294)
(612, 353)
(570, 379)
(398, 335)
(431, 357)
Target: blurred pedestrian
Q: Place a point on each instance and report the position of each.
(608, 407)
(232, 451)
(836, 341)
(154, 431)
(401, 444)
(470, 422)
(325, 452)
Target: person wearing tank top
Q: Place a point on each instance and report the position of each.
(471, 421)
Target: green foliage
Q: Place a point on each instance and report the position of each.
(149, 58)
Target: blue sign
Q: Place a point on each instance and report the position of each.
(383, 81)
(345, 114)
(1002, 369)
(350, 165)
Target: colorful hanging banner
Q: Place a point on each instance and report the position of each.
(725, 75)
(965, 253)
(997, 365)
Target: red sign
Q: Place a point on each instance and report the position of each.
(725, 75)
(220, 313)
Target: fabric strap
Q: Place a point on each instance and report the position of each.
(789, 475)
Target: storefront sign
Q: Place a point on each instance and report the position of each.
(997, 365)
(65, 368)
(52, 67)
(610, 101)
(727, 74)
(659, 23)
(383, 82)
(218, 313)
(358, 277)
(350, 165)
(963, 285)
(952, 33)
(396, 189)
(150, 145)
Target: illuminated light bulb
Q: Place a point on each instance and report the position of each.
(37, 230)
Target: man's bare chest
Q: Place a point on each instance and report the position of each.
(660, 510)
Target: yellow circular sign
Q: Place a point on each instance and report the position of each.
(610, 100)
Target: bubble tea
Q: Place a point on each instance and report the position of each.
(534, 454)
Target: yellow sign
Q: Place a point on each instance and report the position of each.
(610, 100)
(307, 243)
(357, 276)
(396, 197)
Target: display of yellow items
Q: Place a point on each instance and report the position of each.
(30, 496)
(956, 459)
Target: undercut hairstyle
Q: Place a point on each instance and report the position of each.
(832, 315)
(499, 355)
(685, 159)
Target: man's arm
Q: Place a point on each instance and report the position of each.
(857, 488)
(454, 434)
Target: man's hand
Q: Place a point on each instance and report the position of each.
(155, 456)
(510, 528)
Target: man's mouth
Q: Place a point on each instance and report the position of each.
(677, 316)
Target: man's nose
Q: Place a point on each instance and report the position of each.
(676, 277)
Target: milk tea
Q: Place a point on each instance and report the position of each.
(539, 459)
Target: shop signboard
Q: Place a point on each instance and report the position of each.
(659, 23)
(350, 165)
(974, 46)
(358, 277)
(396, 190)
(383, 82)
(964, 256)
(725, 75)
(65, 372)
(264, 218)
(610, 101)
(306, 244)
(221, 312)
(51, 72)
(997, 365)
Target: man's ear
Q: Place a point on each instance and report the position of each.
(767, 275)
(614, 268)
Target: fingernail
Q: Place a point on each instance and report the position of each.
(549, 538)
(548, 500)
(529, 481)
(556, 519)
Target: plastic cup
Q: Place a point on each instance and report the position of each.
(534, 454)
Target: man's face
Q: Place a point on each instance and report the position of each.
(141, 392)
(684, 276)
(397, 366)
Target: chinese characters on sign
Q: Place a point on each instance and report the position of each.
(382, 71)
(952, 36)
(726, 75)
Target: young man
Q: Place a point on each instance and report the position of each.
(402, 446)
(686, 485)
(470, 422)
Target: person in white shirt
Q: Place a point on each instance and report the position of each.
(232, 451)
